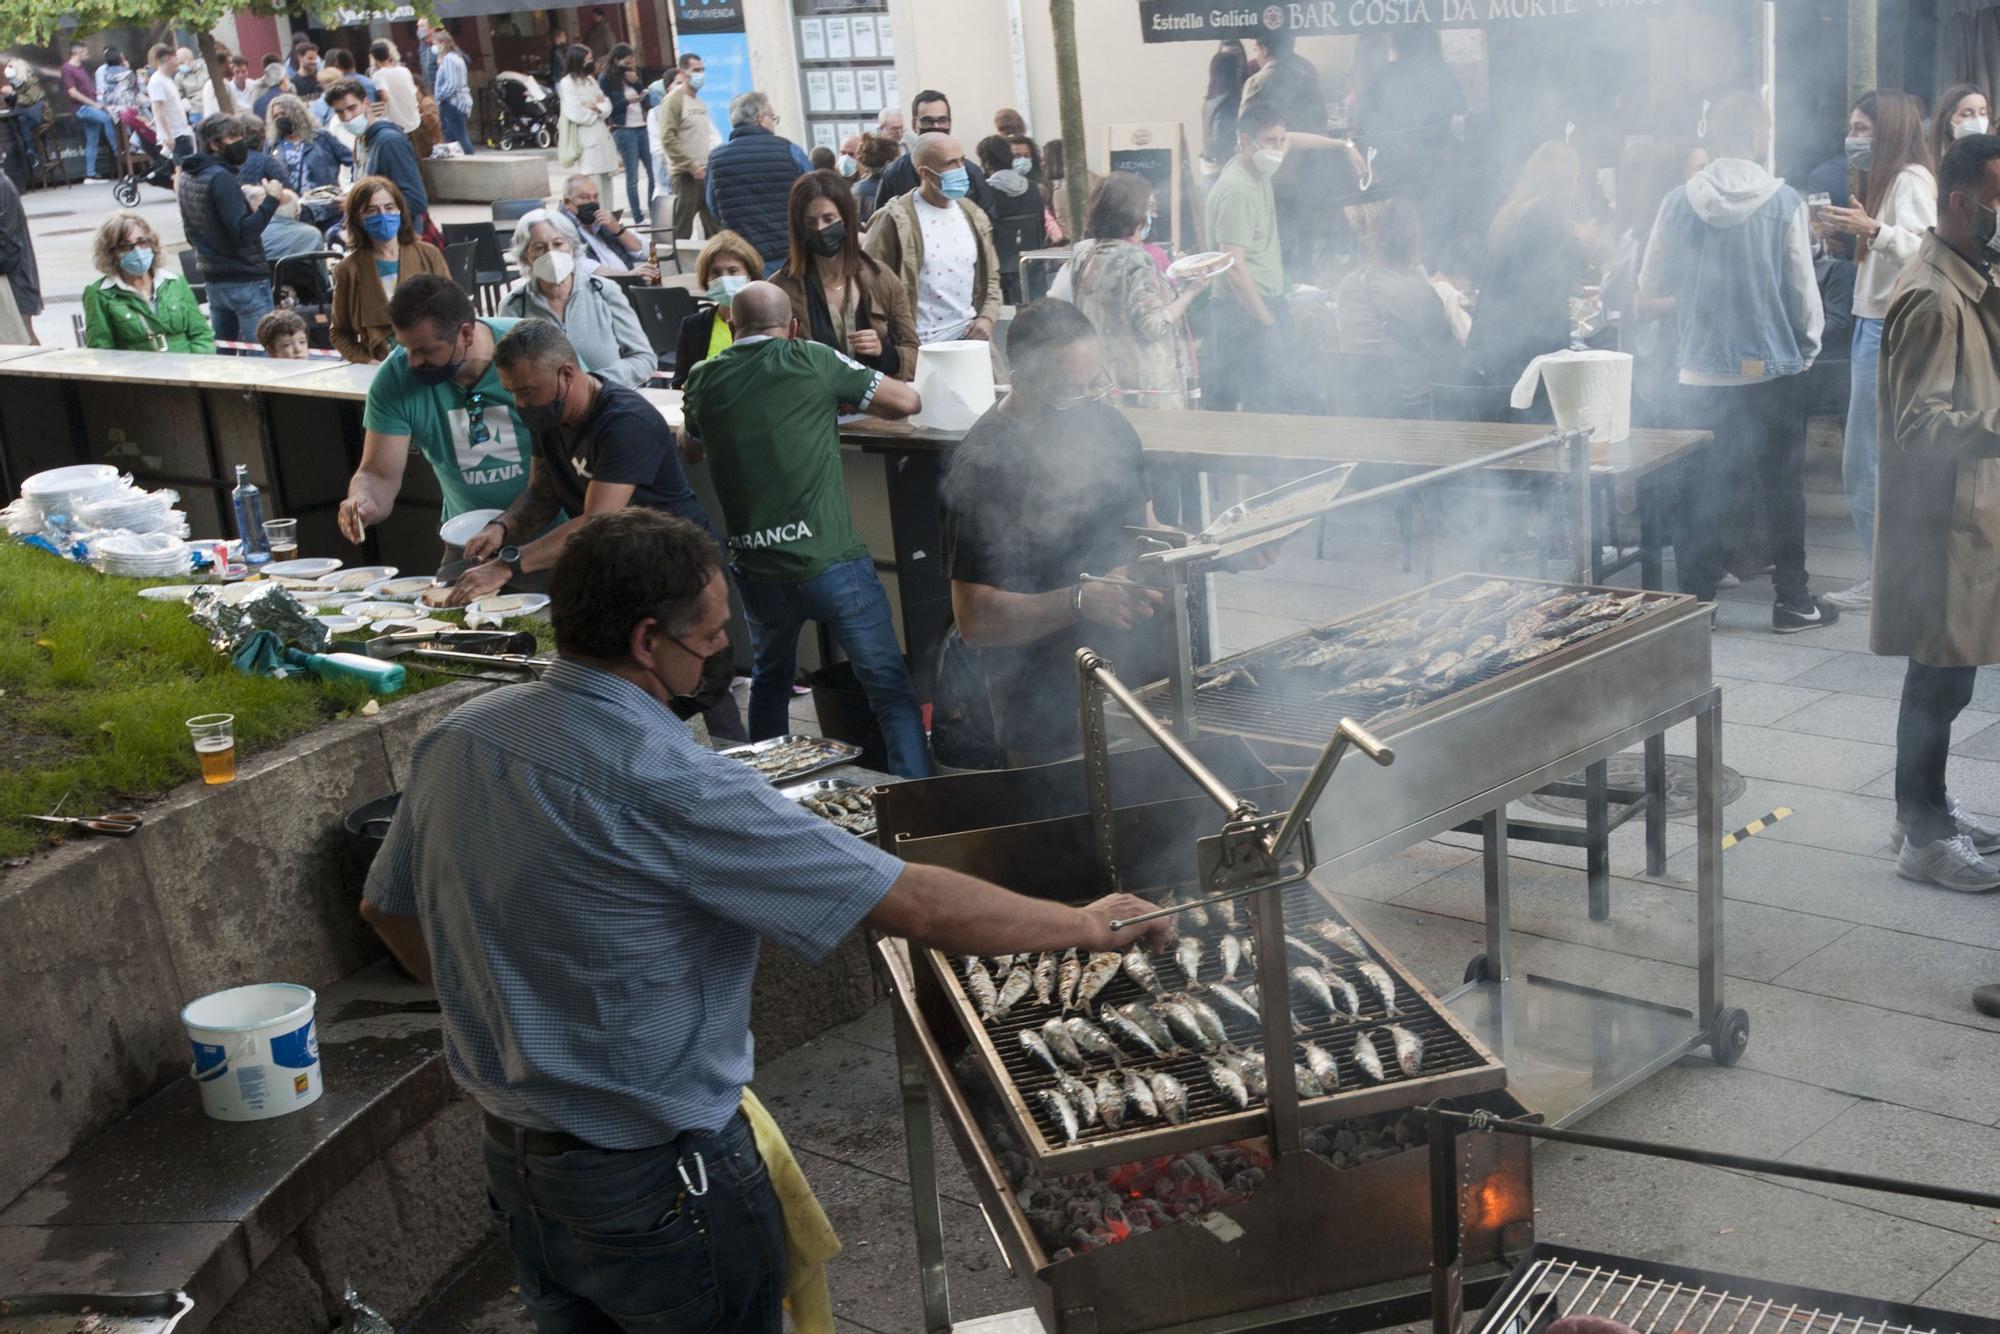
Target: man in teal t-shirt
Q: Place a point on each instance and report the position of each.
(438, 391)
(763, 413)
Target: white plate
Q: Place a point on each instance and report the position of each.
(400, 590)
(169, 592)
(509, 604)
(462, 528)
(382, 611)
(310, 568)
(1207, 263)
(339, 624)
(359, 577)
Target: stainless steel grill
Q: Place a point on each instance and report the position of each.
(1649, 1298)
(1454, 1063)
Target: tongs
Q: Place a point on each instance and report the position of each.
(484, 650)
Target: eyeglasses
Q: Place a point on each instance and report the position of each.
(934, 122)
(477, 432)
(1100, 389)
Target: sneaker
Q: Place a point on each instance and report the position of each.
(1788, 619)
(1986, 999)
(1728, 580)
(1985, 837)
(1951, 862)
(1855, 596)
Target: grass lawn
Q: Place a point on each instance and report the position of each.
(96, 686)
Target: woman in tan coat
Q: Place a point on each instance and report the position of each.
(840, 295)
(383, 250)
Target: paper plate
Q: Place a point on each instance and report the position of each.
(339, 624)
(462, 528)
(169, 592)
(358, 578)
(382, 611)
(1205, 264)
(399, 590)
(310, 568)
(509, 604)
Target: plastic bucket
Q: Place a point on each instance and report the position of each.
(256, 1055)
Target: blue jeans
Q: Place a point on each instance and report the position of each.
(848, 600)
(634, 151)
(98, 129)
(453, 121)
(1858, 458)
(234, 308)
(622, 1243)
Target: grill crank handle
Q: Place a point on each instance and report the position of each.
(1349, 733)
(1120, 923)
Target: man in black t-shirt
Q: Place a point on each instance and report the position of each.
(599, 446)
(1038, 494)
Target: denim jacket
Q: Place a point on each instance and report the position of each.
(1733, 249)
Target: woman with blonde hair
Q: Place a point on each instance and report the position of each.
(1138, 314)
(725, 265)
(383, 250)
(1538, 250)
(135, 307)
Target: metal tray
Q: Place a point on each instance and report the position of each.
(799, 792)
(1249, 523)
(89, 1313)
(834, 752)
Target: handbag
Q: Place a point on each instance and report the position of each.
(569, 143)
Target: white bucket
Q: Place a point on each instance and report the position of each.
(255, 1052)
(955, 381)
(1587, 389)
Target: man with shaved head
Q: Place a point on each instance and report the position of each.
(941, 245)
(764, 413)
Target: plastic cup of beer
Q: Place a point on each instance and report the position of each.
(215, 746)
(283, 537)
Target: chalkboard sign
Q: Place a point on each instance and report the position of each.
(1159, 154)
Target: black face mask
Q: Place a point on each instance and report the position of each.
(284, 126)
(235, 154)
(542, 418)
(587, 213)
(827, 241)
(437, 375)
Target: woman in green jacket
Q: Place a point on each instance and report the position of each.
(135, 307)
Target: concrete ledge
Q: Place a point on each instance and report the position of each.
(485, 177)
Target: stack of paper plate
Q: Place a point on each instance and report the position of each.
(141, 555)
(63, 490)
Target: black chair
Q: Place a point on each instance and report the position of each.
(55, 139)
(661, 311)
(489, 268)
(1012, 236)
(507, 211)
(191, 270)
(458, 260)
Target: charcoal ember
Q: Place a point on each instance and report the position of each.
(1317, 1143)
(1248, 1180)
(1346, 1141)
(1065, 1253)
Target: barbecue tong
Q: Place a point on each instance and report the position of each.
(482, 650)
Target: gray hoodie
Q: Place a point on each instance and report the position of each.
(1009, 182)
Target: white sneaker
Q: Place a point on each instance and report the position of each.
(1728, 580)
(1984, 835)
(1951, 862)
(1858, 595)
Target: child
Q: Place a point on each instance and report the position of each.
(283, 334)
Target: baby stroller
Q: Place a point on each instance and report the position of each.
(159, 168)
(526, 118)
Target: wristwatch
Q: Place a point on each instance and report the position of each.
(510, 556)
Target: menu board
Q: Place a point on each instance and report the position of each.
(819, 91)
(868, 87)
(863, 26)
(843, 91)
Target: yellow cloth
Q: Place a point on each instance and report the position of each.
(719, 337)
(809, 1236)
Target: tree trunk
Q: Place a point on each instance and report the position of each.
(1069, 94)
(218, 73)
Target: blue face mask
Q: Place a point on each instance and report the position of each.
(724, 289)
(382, 226)
(137, 261)
(1024, 165)
(1145, 229)
(956, 183)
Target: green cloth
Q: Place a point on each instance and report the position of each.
(438, 421)
(118, 318)
(1242, 211)
(765, 411)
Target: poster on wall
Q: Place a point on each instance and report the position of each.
(889, 95)
(843, 91)
(864, 36)
(819, 91)
(868, 87)
(825, 135)
(812, 39)
(885, 37)
(837, 45)
(850, 129)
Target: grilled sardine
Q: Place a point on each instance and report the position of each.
(1321, 1063)
(1409, 1049)
(1232, 957)
(1018, 984)
(1385, 985)
(1367, 1057)
(1097, 974)
(1032, 1044)
(1140, 969)
(1061, 1112)
(1172, 1098)
(1188, 955)
(1229, 1084)
(1066, 980)
(1045, 979)
(1061, 1043)
(979, 986)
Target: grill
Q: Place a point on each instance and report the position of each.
(1454, 1062)
(1555, 1281)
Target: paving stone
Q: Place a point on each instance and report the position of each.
(1820, 818)
(1911, 974)
(1834, 567)
(1980, 746)
(1973, 1287)
(282, 1297)
(1697, 1102)
(1769, 658)
(1765, 752)
(1734, 1224)
(1747, 613)
(1912, 1146)
(1975, 783)
(1758, 703)
(1866, 718)
(1855, 673)
(876, 1029)
(1648, 920)
(1396, 875)
(1908, 1060)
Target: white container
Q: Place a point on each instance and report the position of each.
(1586, 389)
(955, 381)
(256, 1053)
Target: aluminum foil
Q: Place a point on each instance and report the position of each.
(232, 619)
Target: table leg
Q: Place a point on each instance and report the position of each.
(1499, 902)
(921, 1148)
(1653, 527)
(923, 589)
(1597, 852)
(1656, 804)
(1708, 829)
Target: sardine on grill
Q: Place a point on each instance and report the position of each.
(1140, 969)
(1187, 954)
(1061, 1112)
(1056, 1035)
(1080, 1097)
(1172, 1098)
(1125, 1030)
(1409, 1049)
(1186, 1026)
(1320, 1061)
(1090, 1038)
(1232, 957)
(979, 986)
(1341, 937)
(1032, 1044)
(1385, 985)
(1097, 974)
(1012, 990)
(1066, 979)
(1233, 1001)
(1045, 979)
(1229, 1084)
(1368, 1057)
(1148, 1019)
(1139, 1096)
(1110, 1094)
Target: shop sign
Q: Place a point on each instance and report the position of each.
(1196, 21)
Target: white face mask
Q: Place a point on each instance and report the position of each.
(1970, 125)
(554, 266)
(1270, 159)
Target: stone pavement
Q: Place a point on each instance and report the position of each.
(1865, 1052)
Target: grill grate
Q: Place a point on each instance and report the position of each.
(1445, 1049)
(1670, 1300)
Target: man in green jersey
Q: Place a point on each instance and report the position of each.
(764, 412)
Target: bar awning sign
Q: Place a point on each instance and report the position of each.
(1196, 21)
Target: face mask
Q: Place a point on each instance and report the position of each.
(1860, 152)
(1024, 165)
(137, 261)
(1270, 159)
(356, 126)
(1145, 229)
(827, 241)
(1970, 125)
(724, 289)
(695, 80)
(1984, 225)
(235, 154)
(587, 213)
(955, 184)
(847, 165)
(554, 266)
(284, 127)
(432, 376)
(543, 418)
(382, 226)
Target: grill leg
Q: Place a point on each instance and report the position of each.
(1447, 1277)
(1708, 827)
(1597, 853)
(1656, 804)
(922, 1150)
(1499, 904)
